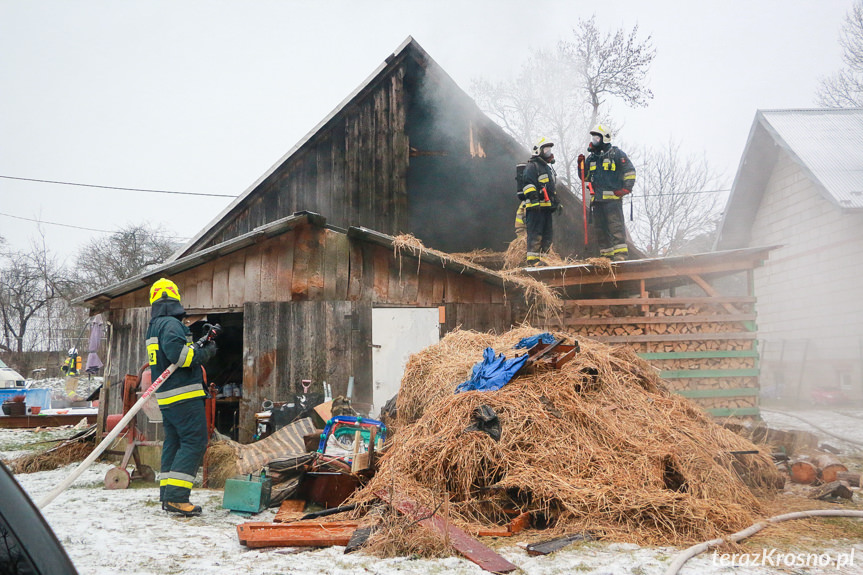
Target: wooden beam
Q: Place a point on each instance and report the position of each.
(706, 393)
(750, 335)
(701, 300)
(661, 319)
(461, 541)
(301, 534)
(699, 373)
(708, 289)
(582, 276)
(719, 353)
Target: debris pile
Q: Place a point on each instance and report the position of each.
(599, 445)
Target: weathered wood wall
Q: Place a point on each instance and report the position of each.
(306, 297)
(286, 342)
(320, 264)
(354, 171)
(128, 350)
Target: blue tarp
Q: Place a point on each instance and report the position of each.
(492, 373)
(40, 397)
(531, 341)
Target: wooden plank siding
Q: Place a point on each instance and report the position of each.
(286, 342)
(129, 351)
(311, 263)
(354, 172)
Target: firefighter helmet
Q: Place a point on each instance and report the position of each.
(164, 288)
(540, 144)
(600, 131)
(73, 351)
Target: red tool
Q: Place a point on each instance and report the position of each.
(583, 197)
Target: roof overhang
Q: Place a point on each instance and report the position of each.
(145, 279)
(632, 277)
(173, 267)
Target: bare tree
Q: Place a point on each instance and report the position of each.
(613, 65)
(676, 203)
(132, 250)
(31, 280)
(560, 93)
(844, 89)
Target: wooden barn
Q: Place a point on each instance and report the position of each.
(302, 300)
(800, 187)
(407, 152)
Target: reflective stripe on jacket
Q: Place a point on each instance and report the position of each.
(170, 342)
(608, 171)
(539, 184)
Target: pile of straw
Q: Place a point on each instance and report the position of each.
(599, 445)
(63, 454)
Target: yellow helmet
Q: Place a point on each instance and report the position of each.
(600, 130)
(540, 144)
(164, 288)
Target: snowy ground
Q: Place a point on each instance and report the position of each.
(125, 531)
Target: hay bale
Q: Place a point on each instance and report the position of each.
(599, 445)
(222, 460)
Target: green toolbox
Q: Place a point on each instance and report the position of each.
(247, 493)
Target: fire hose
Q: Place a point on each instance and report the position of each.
(688, 554)
(211, 332)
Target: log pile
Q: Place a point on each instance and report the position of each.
(690, 327)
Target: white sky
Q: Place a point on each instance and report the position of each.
(205, 96)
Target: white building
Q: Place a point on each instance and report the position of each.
(800, 186)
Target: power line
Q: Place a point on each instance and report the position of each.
(651, 195)
(74, 227)
(118, 188)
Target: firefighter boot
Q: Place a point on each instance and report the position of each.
(185, 509)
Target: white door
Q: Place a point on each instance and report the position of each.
(396, 334)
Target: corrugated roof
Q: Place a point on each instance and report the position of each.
(829, 144)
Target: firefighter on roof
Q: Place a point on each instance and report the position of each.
(611, 176)
(540, 201)
(180, 398)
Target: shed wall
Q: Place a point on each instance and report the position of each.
(810, 312)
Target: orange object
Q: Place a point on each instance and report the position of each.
(301, 534)
(35, 409)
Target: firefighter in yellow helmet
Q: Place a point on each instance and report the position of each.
(611, 176)
(180, 397)
(540, 201)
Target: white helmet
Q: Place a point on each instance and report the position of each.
(73, 351)
(600, 131)
(540, 144)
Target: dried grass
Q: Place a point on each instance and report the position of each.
(222, 462)
(538, 295)
(63, 454)
(614, 452)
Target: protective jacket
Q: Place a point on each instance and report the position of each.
(169, 341)
(539, 185)
(609, 170)
(520, 228)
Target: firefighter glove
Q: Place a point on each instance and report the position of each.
(208, 352)
(621, 192)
